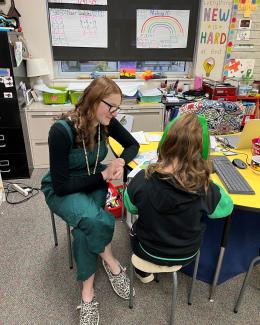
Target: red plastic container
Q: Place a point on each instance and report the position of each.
(256, 147)
(114, 200)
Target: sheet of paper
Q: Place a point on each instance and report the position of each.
(151, 92)
(172, 99)
(129, 89)
(153, 137)
(213, 142)
(126, 121)
(78, 86)
(133, 172)
(146, 157)
(140, 137)
(162, 28)
(43, 87)
(143, 160)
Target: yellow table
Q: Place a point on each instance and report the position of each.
(244, 202)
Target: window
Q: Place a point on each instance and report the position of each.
(72, 69)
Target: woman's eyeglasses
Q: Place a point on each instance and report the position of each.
(112, 109)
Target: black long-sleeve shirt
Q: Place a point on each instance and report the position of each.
(59, 147)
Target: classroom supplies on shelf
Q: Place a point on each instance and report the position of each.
(55, 95)
(151, 95)
(75, 96)
(220, 91)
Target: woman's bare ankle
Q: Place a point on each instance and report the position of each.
(114, 267)
(87, 296)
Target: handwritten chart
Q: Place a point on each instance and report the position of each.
(78, 28)
(162, 28)
(82, 2)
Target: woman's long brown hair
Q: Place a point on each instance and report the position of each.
(182, 149)
(84, 114)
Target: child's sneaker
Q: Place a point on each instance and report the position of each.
(120, 282)
(89, 314)
(143, 276)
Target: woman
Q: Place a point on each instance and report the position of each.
(171, 196)
(75, 188)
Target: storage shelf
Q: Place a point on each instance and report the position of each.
(253, 99)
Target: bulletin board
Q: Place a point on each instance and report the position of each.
(123, 30)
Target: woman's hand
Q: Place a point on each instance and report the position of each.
(119, 173)
(114, 170)
(118, 164)
(108, 172)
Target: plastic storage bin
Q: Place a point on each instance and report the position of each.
(75, 96)
(59, 98)
(151, 99)
(243, 90)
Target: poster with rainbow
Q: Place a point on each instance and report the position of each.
(162, 28)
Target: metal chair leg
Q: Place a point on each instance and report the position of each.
(195, 271)
(174, 296)
(242, 291)
(131, 298)
(69, 247)
(54, 229)
(123, 192)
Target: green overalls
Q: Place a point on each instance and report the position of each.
(73, 208)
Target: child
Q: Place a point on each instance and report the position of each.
(171, 196)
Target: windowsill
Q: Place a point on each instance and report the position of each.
(57, 81)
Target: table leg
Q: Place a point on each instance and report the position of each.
(223, 245)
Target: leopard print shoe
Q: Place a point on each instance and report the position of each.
(120, 283)
(89, 314)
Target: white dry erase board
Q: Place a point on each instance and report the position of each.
(131, 30)
(78, 28)
(82, 2)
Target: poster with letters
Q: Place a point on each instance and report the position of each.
(212, 38)
(162, 28)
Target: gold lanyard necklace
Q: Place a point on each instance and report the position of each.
(86, 155)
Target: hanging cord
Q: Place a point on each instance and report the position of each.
(9, 192)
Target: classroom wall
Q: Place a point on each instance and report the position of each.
(35, 28)
(254, 52)
(34, 22)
